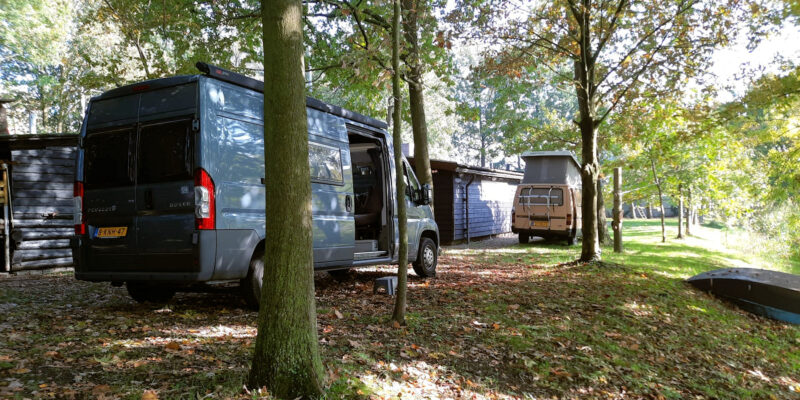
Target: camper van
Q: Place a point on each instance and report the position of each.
(169, 191)
(547, 203)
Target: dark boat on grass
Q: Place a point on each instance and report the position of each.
(772, 294)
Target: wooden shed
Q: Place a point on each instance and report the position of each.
(471, 201)
(42, 170)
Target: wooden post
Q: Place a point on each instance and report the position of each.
(690, 208)
(616, 224)
(680, 211)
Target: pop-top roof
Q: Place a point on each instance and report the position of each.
(555, 153)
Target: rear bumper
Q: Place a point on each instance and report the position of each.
(202, 269)
(543, 232)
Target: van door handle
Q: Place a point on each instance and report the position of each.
(148, 199)
(348, 203)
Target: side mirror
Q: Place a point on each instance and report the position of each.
(425, 195)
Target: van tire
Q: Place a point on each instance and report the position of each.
(251, 285)
(145, 293)
(524, 238)
(340, 275)
(428, 257)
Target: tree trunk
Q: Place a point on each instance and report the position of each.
(680, 211)
(616, 223)
(690, 210)
(649, 210)
(602, 228)
(399, 314)
(419, 126)
(286, 358)
(660, 201)
(633, 210)
(585, 89)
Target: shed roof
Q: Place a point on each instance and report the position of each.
(23, 142)
(470, 169)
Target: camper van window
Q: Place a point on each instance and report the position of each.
(325, 164)
(108, 159)
(538, 196)
(165, 152)
(412, 186)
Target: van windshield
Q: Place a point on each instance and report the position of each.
(108, 158)
(165, 152)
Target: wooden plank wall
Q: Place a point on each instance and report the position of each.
(443, 204)
(490, 204)
(41, 183)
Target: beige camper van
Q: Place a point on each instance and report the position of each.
(548, 201)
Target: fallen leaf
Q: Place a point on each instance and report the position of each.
(100, 390)
(338, 314)
(19, 371)
(173, 346)
(149, 395)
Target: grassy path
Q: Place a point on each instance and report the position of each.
(512, 322)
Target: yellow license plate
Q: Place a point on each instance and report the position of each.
(540, 224)
(112, 231)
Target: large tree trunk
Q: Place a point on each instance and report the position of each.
(680, 211)
(602, 229)
(399, 313)
(660, 201)
(585, 88)
(286, 358)
(422, 162)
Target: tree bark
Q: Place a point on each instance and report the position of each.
(649, 210)
(616, 223)
(680, 211)
(660, 201)
(585, 88)
(399, 313)
(602, 228)
(414, 76)
(633, 210)
(286, 358)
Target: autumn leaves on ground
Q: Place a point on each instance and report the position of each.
(506, 322)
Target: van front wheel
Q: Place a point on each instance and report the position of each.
(425, 265)
(251, 285)
(524, 238)
(144, 293)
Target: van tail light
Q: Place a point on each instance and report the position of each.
(204, 211)
(569, 219)
(78, 215)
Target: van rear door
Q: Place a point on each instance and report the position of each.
(109, 198)
(165, 194)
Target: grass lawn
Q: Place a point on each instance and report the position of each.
(511, 322)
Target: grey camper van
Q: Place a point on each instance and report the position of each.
(169, 188)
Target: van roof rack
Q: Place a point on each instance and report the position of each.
(254, 84)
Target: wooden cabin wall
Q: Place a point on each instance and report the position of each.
(490, 204)
(41, 183)
(443, 204)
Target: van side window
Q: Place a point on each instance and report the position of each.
(165, 152)
(108, 159)
(325, 164)
(412, 185)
